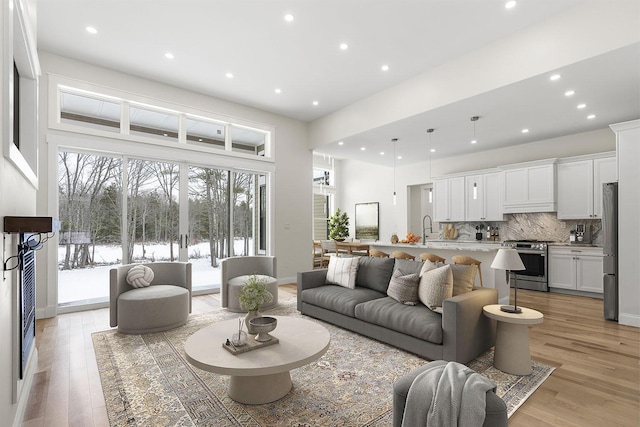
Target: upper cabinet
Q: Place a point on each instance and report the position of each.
(580, 186)
(530, 187)
(483, 194)
(448, 203)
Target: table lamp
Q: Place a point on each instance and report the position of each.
(508, 259)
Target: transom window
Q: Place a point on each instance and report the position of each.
(81, 111)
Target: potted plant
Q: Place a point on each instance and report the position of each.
(253, 294)
(339, 226)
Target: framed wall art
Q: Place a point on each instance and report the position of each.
(367, 220)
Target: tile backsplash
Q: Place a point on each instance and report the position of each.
(534, 226)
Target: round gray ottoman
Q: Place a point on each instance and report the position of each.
(235, 285)
(152, 309)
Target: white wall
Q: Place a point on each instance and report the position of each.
(628, 141)
(363, 182)
(17, 197)
(293, 199)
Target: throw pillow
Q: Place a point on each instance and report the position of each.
(428, 266)
(464, 277)
(139, 276)
(404, 287)
(436, 285)
(342, 271)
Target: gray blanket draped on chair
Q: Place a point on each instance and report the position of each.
(447, 395)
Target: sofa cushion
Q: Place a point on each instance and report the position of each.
(408, 266)
(339, 299)
(464, 277)
(417, 321)
(404, 287)
(374, 273)
(436, 285)
(342, 271)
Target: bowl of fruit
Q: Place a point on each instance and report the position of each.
(411, 239)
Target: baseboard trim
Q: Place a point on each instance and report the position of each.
(629, 319)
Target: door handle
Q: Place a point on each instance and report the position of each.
(180, 241)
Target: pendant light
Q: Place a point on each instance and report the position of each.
(394, 140)
(430, 131)
(474, 119)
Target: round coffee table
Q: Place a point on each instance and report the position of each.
(261, 375)
(512, 354)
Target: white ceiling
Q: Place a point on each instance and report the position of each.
(251, 39)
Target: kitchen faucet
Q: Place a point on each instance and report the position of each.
(424, 228)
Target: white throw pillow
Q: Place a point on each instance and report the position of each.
(436, 286)
(139, 276)
(342, 271)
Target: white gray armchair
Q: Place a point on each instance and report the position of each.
(236, 270)
(164, 304)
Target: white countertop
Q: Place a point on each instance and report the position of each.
(452, 245)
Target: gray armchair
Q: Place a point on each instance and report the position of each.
(163, 305)
(236, 270)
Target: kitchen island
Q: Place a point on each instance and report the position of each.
(483, 251)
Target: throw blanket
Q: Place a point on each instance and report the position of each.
(447, 395)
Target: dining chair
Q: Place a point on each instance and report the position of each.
(378, 253)
(402, 255)
(431, 257)
(329, 249)
(467, 260)
(317, 254)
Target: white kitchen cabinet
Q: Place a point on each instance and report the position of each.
(604, 170)
(483, 197)
(448, 202)
(580, 187)
(530, 187)
(575, 268)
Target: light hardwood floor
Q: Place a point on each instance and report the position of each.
(596, 381)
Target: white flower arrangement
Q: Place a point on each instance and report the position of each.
(254, 293)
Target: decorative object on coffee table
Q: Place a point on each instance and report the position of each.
(339, 225)
(263, 325)
(253, 294)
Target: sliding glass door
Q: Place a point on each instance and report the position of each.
(170, 212)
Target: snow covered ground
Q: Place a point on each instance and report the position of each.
(93, 282)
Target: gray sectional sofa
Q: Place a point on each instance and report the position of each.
(460, 333)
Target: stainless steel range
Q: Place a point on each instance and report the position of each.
(534, 257)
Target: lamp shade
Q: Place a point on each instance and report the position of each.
(507, 259)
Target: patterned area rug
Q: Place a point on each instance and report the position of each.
(147, 382)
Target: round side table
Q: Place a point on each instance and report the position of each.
(512, 354)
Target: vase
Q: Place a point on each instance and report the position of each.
(251, 314)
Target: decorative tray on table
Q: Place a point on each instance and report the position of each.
(251, 344)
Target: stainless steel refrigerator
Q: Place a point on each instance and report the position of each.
(610, 249)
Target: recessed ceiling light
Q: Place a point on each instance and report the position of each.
(525, 130)
(591, 116)
(399, 157)
(341, 143)
(363, 148)
(474, 141)
(278, 90)
(581, 106)
(555, 77)
(91, 30)
(229, 75)
(315, 103)
(433, 150)
(382, 153)
(385, 67)
(289, 17)
(510, 4)
(169, 55)
(570, 93)
(199, 139)
(344, 46)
